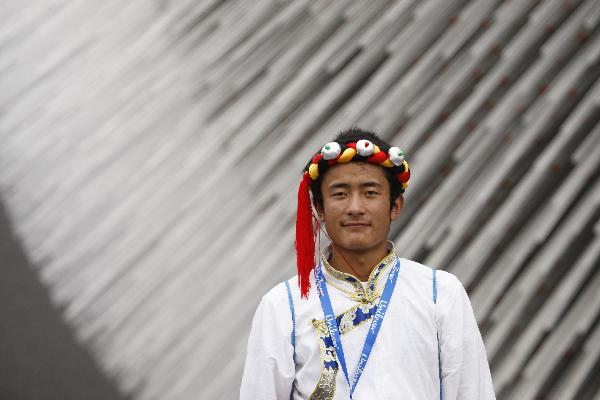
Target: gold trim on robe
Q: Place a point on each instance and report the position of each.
(367, 300)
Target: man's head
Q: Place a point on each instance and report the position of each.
(356, 206)
(353, 136)
(356, 183)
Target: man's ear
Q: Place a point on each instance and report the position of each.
(396, 207)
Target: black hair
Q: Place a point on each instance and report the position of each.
(353, 135)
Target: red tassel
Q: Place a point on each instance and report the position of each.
(305, 237)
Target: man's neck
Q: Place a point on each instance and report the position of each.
(359, 264)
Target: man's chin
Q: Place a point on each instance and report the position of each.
(355, 245)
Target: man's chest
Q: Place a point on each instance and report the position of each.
(405, 345)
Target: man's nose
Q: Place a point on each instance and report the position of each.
(356, 205)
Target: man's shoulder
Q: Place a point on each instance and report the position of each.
(279, 293)
(415, 268)
(421, 272)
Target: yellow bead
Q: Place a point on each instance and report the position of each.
(404, 185)
(376, 149)
(313, 171)
(387, 164)
(347, 155)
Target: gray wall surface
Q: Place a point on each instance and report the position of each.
(150, 153)
(39, 358)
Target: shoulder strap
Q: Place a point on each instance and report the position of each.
(293, 335)
(434, 295)
(434, 287)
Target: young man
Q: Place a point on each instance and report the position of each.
(362, 323)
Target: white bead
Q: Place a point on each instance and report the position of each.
(396, 156)
(365, 148)
(331, 150)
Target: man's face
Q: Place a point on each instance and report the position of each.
(356, 206)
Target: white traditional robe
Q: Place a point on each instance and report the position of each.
(404, 360)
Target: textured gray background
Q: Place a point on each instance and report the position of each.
(39, 358)
(150, 155)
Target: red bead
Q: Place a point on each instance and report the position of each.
(377, 158)
(404, 177)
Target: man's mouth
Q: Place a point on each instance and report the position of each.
(355, 224)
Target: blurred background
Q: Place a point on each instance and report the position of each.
(150, 154)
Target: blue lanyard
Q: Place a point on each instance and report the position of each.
(376, 321)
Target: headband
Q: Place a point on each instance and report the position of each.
(331, 154)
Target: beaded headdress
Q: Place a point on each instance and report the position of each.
(331, 154)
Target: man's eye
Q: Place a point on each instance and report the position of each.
(338, 194)
(372, 193)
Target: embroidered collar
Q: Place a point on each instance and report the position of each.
(351, 285)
